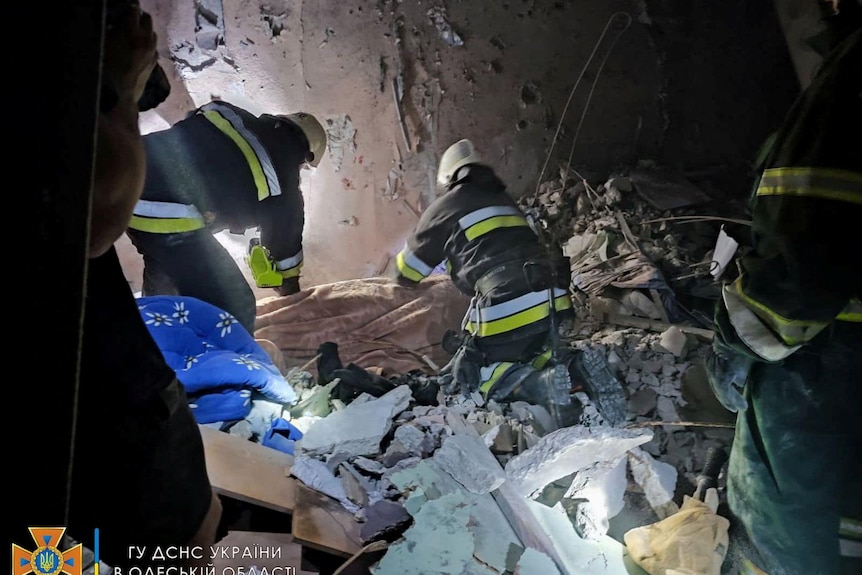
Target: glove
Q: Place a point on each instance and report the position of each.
(354, 381)
(727, 372)
(465, 371)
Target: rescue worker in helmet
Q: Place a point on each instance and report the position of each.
(493, 255)
(225, 168)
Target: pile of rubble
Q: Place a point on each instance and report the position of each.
(428, 480)
(461, 486)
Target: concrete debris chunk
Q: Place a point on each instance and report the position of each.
(469, 461)
(496, 543)
(415, 440)
(643, 401)
(317, 476)
(369, 466)
(358, 429)
(568, 450)
(382, 519)
(657, 479)
(600, 493)
(674, 341)
(438, 543)
(356, 487)
(534, 562)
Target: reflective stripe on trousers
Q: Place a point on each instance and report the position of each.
(166, 217)
(515, 313)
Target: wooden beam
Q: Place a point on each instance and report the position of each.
(248, 471)
(653, 325)
(320, 522)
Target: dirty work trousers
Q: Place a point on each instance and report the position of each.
(195, 264)
(794, 476)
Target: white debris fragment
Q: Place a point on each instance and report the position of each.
(358, 429)
(602, 487)
(674, 341)
(657, 479)
(568, 450)
(317, 476)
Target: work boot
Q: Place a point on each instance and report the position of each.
(549, 388)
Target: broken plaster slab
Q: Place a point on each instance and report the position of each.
(438, 542)
(496, 543)
(657, 479)
(471, 463)
(534, 562)
(602, 487)
(317, 476)
(604, 556)
(358, 429)
(568, 450)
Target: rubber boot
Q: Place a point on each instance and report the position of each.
(549, 388)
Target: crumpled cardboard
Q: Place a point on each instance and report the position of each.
(692, 541)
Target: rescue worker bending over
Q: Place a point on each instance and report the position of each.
(788, 346)
(224, 168)
(493, 255)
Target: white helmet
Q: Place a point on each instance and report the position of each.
(461, 153)
(314, 133)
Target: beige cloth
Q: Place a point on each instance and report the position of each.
(692, 541)
(375, 322)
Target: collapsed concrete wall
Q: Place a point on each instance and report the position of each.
(398, 81)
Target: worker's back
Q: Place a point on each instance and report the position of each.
(485, 229)
(205, 161)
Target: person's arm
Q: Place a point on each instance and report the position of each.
(120, 163)
(282, 221)
(425, 247)
(803, 271)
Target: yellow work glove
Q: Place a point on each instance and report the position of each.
(692, 541)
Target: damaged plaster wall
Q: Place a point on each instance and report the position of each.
(499, 73)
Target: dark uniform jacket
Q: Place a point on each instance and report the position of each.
(484, 239)
(224, 162)
(805, 271)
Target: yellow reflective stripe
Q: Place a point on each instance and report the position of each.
(494, 376)
(850, 528)
(257, 173)
(853, 311)
(520, 319)
(292, 272)
(830, 184)
(542, 360)
(791, 331)
(405, 270)
(494, 223)
(165, 225)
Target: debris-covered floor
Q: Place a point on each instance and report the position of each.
(455, 485)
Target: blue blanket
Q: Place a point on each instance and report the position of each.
(216, 359)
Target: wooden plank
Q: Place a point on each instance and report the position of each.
(644, 323)
(248, 471)
(321, 523)
(230, 550)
